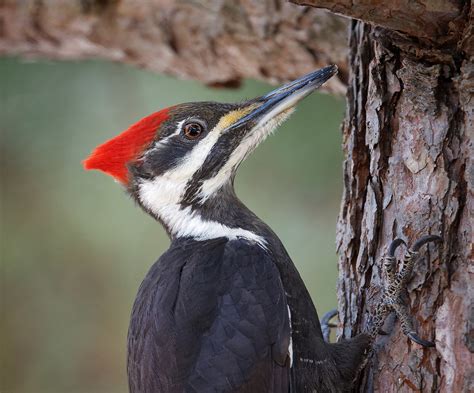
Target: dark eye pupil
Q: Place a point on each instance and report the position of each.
(192, 130)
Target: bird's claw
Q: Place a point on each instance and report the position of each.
(425, 343)
(395, 287)
(326, 324)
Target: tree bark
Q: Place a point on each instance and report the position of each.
(407, 136)
(431, 22)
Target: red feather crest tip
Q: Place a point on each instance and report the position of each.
(113, 156)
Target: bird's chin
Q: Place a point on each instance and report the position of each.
(271, 124)
(261, 131)
(284, 115)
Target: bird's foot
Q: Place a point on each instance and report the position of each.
(326, 324)
(395, 287)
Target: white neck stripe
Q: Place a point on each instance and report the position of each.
(158, 195)
(163, 194)
(185, 223)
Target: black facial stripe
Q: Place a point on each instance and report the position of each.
(215, 160)
(157, 160)
(208, 112)
(166, 156)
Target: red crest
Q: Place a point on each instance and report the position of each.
(113, 156)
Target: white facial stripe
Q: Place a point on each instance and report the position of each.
(184, 223)
(255, 137)
(160, 192)
(163, 195)
(164, 141)
(159, 196)
(193, 161)
(170, 186)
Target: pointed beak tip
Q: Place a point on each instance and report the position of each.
(288, 95)
(329, 71)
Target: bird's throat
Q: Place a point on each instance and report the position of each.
(223, 215)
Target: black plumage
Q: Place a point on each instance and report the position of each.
(224, 309)
(210, 316)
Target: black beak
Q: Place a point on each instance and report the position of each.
(285, 97)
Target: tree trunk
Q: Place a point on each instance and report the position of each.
(408, 143)
(408, 134)
(408, 172)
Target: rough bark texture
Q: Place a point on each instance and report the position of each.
(408, 142)
(432, 21)
(215, 41)
(408, 134)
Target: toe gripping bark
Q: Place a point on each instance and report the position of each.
(395, 287)
(326, 324)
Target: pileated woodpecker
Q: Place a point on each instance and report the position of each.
(224, 308)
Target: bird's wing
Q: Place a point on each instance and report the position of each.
(245, 348)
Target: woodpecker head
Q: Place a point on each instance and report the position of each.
(184, 155)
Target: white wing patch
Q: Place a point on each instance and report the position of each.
(290, 346)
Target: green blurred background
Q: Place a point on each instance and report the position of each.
(75, 248)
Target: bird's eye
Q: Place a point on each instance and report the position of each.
(193, 130)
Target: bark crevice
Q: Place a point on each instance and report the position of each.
(408, 139)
